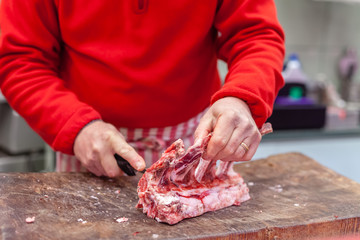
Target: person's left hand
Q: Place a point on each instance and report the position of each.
(231, 122)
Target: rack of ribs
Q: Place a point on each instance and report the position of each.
(183, 185)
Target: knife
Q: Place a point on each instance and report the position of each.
(125, 166)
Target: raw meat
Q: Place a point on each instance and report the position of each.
(266, 128)
(123, 219)
(183, 185)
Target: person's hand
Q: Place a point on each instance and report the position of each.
(231, 123)
(96, 145)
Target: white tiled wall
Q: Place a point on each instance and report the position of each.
(318, 32)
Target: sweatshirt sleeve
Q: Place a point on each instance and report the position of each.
(30, 47)
(251, 42)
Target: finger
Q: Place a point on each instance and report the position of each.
(109, 165)
(204, 128)
(253, 143)
(229, 150)
(238, 155)
(221, 135)
(93, 164)
(246, 151)
(246, 147)
(100, 168)
(94, 170)
(122, 148)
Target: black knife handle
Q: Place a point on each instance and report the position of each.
(124, 165)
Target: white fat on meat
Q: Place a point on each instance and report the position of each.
(183, 185)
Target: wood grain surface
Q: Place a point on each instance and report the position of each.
(293, 197)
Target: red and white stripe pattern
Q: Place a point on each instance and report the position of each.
(150, 143)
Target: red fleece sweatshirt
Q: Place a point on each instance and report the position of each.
(135, 63)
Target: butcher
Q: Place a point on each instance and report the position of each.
(97, 79)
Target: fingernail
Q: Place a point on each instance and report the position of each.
(140, 165)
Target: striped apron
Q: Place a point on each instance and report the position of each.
(150, 143)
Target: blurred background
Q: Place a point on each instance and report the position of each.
(325, 37)
(316, 113)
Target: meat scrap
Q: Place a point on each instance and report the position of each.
(183, 185)
(30, 219)
(122, 219)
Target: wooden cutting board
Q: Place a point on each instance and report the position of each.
(293, 197)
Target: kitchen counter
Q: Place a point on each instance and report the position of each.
(293, 197)
(337, 149)
(298, 134)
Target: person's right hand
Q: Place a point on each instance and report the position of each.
(96, 145)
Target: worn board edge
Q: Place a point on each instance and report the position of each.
(318, 230)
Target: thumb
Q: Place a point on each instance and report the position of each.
(204, 128)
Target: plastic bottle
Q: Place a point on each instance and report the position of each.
(296, 84)
(293, 72)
